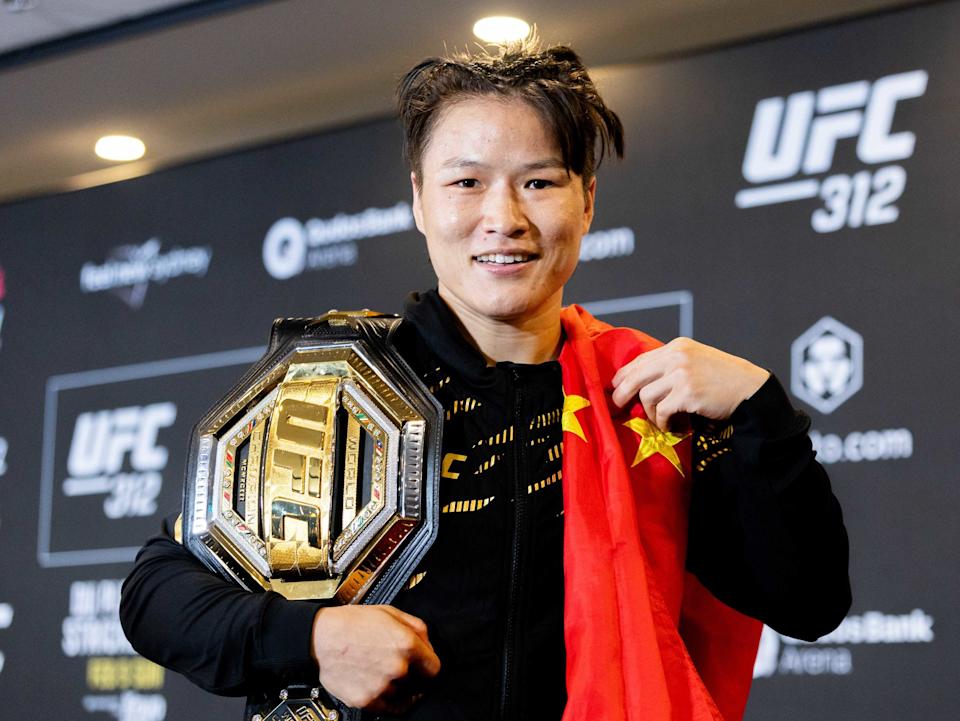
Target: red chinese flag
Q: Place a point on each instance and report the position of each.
(645, 641)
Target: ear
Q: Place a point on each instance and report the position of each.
(417, 203)
(588, 204)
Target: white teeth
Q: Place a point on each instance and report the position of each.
(502, 259)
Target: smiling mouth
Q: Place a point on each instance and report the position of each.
(505, 258)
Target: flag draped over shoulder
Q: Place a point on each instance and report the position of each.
(645, 641)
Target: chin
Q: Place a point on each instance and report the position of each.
(504, 309)
(494, 301)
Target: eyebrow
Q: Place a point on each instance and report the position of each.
(546, 163)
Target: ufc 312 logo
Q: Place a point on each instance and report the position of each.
(115, 452)
(110, 450)
(795, 138)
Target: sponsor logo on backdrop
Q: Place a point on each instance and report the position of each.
(879, 445)
(121, 683)
(833, 654)
(92, 626)
(827, 364)
(292, 247)
(129, 269)
(3, 294)
(114, 453)
(826, 370)
(603, 244)
(6, 620)
(793, 142)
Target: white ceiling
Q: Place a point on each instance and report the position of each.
(259, 71)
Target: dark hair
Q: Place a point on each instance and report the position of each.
(553, 81)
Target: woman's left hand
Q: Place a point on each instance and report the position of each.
(685, 376)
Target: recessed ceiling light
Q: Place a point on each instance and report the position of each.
(501, 29)
(120, 147)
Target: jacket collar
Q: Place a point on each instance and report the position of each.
(440, 331)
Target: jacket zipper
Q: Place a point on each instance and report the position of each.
(519, 517)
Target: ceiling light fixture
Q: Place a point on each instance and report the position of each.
(120, 148)
(501, 29)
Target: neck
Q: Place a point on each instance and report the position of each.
(534, 338)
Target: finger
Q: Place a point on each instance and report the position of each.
(639, 372)
(652, 393)
(655, 356)
(415, 624)
(649, 357)
(639, 376)
(424, 661)
(667, 408)
(421, 657)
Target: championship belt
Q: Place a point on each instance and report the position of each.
(316, 476)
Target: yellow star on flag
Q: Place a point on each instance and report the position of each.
(568, 419)
(653, 440)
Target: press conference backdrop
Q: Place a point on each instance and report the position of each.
(793, 201)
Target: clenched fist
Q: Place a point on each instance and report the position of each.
(685, 376)
(373, 657)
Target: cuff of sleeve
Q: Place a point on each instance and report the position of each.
(770, 436)
(286, 635)
(768, 414)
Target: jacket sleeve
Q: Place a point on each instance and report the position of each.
(766, 533)
(226, 640)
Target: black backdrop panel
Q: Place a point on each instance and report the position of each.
(788, 200)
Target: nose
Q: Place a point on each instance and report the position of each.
(503, 212)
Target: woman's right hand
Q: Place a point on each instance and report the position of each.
(376, 658)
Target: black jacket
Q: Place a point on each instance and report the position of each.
(766, 536)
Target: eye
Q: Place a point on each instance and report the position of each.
(466, 183)
(539, 184)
